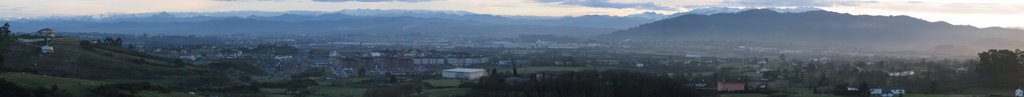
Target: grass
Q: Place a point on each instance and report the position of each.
(535, 69)
(112, 68)
(154, 82)
(279, 95)
(986, 91)
(799, 90)
(116, 64)
(158, 94)
(339, 92)
(444, 92)
(443, 83)
(814, 95)
(273, 90)
(76, 87)
(743, 95)
(927, 95)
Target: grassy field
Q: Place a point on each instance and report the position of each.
(443, 83)
(985, 91)
(799, 90)
(535, 69)
(814, 95)
(158, 94)
(76, 87)
(338, 92)
(272, 90)
(98, 63)
(445, 92)
(927, 95)
(105, 63)
(743, 95)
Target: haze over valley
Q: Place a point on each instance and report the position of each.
(511, 48)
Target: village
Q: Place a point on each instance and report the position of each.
(448, 69)
(354, 69)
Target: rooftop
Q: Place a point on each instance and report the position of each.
(464, 70)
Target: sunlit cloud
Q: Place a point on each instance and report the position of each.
(609, 4)
(373, 0)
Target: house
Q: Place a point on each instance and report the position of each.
(46, 49)
(428, 61)
(47, 32)
(731, 85)
(463, 61)
(464, 73)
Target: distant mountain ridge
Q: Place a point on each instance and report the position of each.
(364, 21)
(586, 21)
(823, 28)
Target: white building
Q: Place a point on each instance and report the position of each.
(464, 73)
(46, 49)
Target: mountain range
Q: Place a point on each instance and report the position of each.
(808, 26)
(822, 28)
(351, 21)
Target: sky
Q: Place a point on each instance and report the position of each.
(981, 13)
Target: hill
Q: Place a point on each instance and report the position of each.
(823, 29)
(84, 68)
(73, 86)
(336, 26)
(372, 21)
(72, 59)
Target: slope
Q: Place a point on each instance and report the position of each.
(72, 59)
(821, 28)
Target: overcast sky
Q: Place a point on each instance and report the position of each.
(982, 13)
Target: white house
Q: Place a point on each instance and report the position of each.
(46, 49)
(464, 73)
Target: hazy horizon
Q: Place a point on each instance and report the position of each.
(981, 13)
(511, 48)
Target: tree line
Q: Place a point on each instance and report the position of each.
(1001, 68)
(606, 83)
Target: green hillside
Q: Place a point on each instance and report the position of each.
(81, 68)
(72, 86)
(73, 59)
(77, 87)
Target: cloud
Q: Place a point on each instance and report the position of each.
(793, 3)
(608, 4)
(340, 0)
(246, 0)
(373, 0)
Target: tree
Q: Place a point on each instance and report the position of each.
(85, 44)
(588, 83)
(864, 89)
(823, 81)
(934, 87)
(5, 31)
(1001, 68)
(5, 35)
(362, 72)
(391, 78)
(107, 41)
(1, 62)
(841, 90)
(118, 42)
(515, 70)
